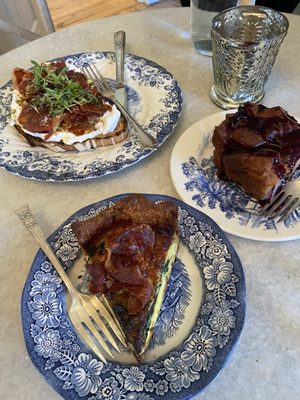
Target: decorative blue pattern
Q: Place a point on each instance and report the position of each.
(232, 201)
(177, 299)
(22, 159)
(75, 372)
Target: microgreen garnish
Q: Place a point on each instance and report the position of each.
(56, 91)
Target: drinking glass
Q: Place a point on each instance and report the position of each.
(201, 15)
(245, 43)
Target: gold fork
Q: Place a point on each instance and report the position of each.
(88, 313)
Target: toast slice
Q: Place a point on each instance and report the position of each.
(130, 250)
(119, 134)
(60, 109)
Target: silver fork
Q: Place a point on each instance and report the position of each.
(92, 72)
(284, 203)
(88, 313)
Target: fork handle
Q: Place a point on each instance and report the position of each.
(119, 42)
(28, 220)
(146, 139)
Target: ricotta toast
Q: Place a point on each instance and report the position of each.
(58, 108)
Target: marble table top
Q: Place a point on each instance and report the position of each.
(265, 364)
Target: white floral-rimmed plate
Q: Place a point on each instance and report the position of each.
(199, 324)
(154, 98)
(195, 179)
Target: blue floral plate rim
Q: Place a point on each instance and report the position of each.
(143, 76)
(195, 179)
(182, 372)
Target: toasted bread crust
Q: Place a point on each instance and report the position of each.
(117, 136)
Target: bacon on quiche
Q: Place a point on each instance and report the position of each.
(131, 248)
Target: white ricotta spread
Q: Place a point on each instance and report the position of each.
(106, 124)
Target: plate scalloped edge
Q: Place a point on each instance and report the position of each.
(194, 177)
(44, 165)
(59, 355)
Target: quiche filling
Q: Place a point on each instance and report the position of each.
(131, 248)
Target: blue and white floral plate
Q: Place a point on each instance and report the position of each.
(154, 98)
(200, 321)
(195, 179)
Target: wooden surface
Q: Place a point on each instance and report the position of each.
(66, 13)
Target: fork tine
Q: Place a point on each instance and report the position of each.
(280, 205)
(85, 336)
(89, 74)
(285, 202)
(108, 307)
(86, 72)
(270, 206)
(95, 75)
(107, 313)
(84, 316)
(290, 209)
(100, 77)
(93, 313)
(146, 139)
(288, 199)
(81, 310)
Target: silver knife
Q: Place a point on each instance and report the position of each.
(120, 92)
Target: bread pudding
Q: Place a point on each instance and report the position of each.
(257, 148)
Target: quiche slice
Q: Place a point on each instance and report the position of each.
(130, 250)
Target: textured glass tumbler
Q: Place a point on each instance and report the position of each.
(245, 42)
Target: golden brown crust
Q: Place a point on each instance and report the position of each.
(136, 208)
